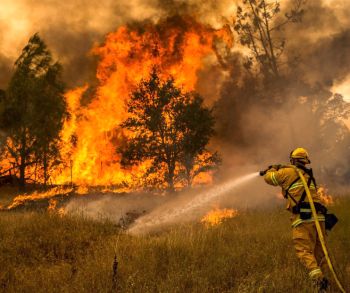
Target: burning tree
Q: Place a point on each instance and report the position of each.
(34, 109)
(170, 129)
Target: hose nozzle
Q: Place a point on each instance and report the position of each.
(262, 173)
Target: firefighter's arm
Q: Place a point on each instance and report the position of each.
(273, 176)
(270, 177)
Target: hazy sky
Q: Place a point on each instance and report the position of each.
(71, 28)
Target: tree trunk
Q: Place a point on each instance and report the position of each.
(189, 164)
(45, 168)
(22, 180)
(188, 177)
(170, 179)
(22, 166)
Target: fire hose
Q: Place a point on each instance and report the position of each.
(319, 231)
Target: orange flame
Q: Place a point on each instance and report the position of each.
(82, 190)
(52, 205)
(176, 46)
(52, 208)
(217, 216)
(325, 197)
(35, 196)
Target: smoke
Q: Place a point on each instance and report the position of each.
(72, 28)
(210, 12)
(261, 122)
(321, 41)
(145, 213)
(5, 69)
(329, 60)
(116, 208)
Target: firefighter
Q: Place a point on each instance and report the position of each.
(305, 239)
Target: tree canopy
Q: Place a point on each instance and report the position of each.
(34, 110)
(259, 29)
(170, 129)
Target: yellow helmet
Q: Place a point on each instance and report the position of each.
(301, 155)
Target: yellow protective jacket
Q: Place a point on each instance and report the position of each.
(285, 177)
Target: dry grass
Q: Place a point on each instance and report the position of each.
(249, 253)
(7, 193)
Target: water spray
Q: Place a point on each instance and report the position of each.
(165, 215)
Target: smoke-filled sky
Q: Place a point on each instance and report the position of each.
(72, 28)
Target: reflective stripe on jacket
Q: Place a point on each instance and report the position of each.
(284, 177)
(296, 222)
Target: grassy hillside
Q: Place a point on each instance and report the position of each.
(250, 253)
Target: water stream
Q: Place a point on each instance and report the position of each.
(173, 212)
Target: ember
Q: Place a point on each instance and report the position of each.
(325, 197)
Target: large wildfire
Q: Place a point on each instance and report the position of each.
(177, 47)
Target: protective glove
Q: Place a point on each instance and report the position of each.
(276, 167)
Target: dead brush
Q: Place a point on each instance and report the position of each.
(115, 274)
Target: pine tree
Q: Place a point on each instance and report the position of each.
(34, 110)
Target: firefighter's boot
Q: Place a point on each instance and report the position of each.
(320, 285)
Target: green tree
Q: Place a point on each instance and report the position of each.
(34, 109)
(171, 129)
